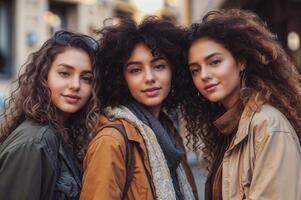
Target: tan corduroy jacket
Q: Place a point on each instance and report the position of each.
(264, 159)
(104, 168)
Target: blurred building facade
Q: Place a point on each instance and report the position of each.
(26, 24)
(282, 16)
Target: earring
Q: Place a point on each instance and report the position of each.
(243, 79)
(201, 97)
(172, 92)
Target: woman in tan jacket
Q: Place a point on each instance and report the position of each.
(138, 67)
(245, 106)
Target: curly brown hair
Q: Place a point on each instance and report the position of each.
(269, 73)
(116, 46)
(31, 98)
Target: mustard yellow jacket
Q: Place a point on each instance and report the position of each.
(264, 160)
(104, 168)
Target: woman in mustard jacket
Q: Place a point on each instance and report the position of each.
(138, 71)
(244, 104)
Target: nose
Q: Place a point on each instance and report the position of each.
(149, 75)
(205, 73)
(75, 83)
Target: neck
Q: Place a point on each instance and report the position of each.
(228, 105)
(62, 117)
(232, 99)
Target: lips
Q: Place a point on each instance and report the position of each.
(71, 99)
(211, 87)
(151, 92)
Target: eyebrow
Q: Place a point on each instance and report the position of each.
(206, 58)
(132, 63)
(72, 68)
(158, 58)
(138, 62)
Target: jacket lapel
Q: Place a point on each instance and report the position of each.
(70, 165)
(134, 136)
(244, 124)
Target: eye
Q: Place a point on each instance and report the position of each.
(194, 70)
(134, 70)
(159, 67)
(216, 62)
(87, 78)
(64, 74)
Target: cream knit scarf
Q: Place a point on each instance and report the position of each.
(160, 173)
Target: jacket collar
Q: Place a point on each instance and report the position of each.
(133, 136)
(251, 107)
(227, 123)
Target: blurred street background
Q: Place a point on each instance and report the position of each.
(26, 24)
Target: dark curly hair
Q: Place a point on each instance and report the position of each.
(269, 73)
(31, 98)
(116, 45)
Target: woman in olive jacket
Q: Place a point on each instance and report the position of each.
(244, 104)
(46, 120)
(138, 71)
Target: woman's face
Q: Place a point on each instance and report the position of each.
(148, 78)
(69, 80)
(215, 72)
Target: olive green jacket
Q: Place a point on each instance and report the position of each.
(35, 166)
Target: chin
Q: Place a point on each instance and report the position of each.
(150, 103)
(214, 99)
(70, 111)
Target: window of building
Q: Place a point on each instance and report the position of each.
(65, 15)
(5, 38)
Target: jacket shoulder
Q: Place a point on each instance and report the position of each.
(108, 134)
(29, 132)
(271, 119)
(269, 122)
(131, 129)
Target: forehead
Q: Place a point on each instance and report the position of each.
(77, 58)
(142, 52)
(203, 47)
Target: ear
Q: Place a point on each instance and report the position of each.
(242, 64)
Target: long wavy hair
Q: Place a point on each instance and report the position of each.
(116, 45)
(31, 98)
(269, 73)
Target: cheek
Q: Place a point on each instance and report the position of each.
(134, 89)
(166, 77)
(133, 83)
(53, 84)
(88, 91)
(198, 83)
(167, 81)
(231, 78)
